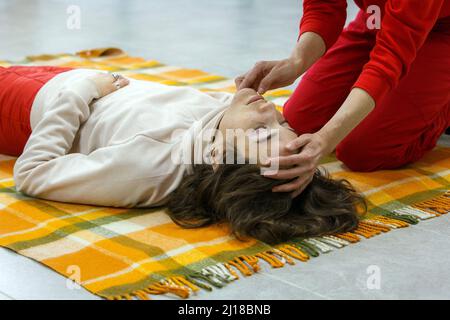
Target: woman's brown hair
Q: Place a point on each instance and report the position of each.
(239, 195)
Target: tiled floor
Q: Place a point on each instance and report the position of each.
(225, 37)
(413, 263)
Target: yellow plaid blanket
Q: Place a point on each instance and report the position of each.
(128, 254)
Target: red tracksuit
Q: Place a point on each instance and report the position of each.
(18, 88)
(404, 66)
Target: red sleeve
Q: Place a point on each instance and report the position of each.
(324, 17)
(404, 29)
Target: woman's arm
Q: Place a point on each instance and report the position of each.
(317, 145)
(321, 24)
(354, 109)
(404, 28)
(325, 18)
(268, 75)
(46, 170)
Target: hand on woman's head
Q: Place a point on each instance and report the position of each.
(311, 148)
(240, 196)
(254, 129)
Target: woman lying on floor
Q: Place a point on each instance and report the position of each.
(95, 138)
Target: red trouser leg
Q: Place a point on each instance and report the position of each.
(402, 127)
(18, 88)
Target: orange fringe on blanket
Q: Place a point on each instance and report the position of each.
(277, 257)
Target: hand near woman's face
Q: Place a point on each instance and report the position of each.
(268, 75)
(301, 166)
(258, 125)
(298, 157)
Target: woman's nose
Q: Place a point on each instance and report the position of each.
(267, 106)
(247, 91)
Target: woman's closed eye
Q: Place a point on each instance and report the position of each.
(260, 134)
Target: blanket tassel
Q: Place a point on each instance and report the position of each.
(300, 249)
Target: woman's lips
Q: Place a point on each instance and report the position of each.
(255, 98)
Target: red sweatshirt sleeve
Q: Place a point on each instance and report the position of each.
(324, 17)
(404, 29)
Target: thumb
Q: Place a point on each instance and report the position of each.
(239, 80)
(299, 142)
(266, 82)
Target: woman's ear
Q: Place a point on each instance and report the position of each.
(214, 160)
(219, 152)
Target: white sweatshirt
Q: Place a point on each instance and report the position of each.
(115, 151)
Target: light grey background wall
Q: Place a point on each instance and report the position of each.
(219, 36)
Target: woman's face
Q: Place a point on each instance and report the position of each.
(258, 123)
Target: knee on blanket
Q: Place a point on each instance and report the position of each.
(354, 156)
(360, 155)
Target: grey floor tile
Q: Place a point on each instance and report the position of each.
(23, 278)
(7, 256)
(413, 264)
(260, 286)
(442, 228)
(4, 296)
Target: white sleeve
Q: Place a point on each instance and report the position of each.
(46, 170)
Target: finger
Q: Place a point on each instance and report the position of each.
(289, 187)
(239, 80)
(248, 81)
(300, 159)
(120, 77)
(294, 185)
(266, 82)
(294, 194)
(124, 80)
(292, 160)
(288, 173)
(299, 142)
(115, 77)
(120, 83)
(252, 76)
